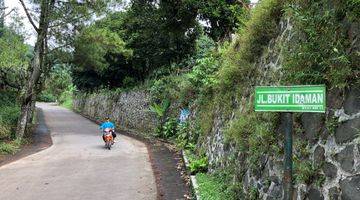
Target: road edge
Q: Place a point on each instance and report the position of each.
(40, 140)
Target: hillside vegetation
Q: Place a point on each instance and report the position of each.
(276, 43)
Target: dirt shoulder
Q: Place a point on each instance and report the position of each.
(39, 141)
(169, 169)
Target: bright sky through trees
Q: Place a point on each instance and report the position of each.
(14, 4)
(11, 4)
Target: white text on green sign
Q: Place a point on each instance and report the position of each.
(290, 99)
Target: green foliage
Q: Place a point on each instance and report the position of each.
(58, 86)
(320, 180)
(199, 78)
(9, 113)
(102, 58)
(254, 193)
(301, 146)
(166, 88)
(10, 147)
(204, 46)
(166, 127)
(14, 57)
(255, 135)
(59, 80)
(218, 186)
(198, 165)
(164, 32)
(206, 117)
(262, 26)
(93, 44)
(160, 109)
(203, 73)
(331, 124)
(45, 96)
(186, 137)
(13, 50)
(224, 17)
(306, 172)
(170, 128)
(66, 99)
(319, 52)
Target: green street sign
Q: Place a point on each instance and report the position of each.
(305, 98)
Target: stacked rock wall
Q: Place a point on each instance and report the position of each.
(332, 140)
(129, 110)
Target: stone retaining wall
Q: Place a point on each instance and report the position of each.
(332, 140)
(129, 110)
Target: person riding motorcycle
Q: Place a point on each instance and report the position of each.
(108, 125)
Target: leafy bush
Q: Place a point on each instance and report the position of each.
(169, 129)
(182, 139)
(59, 86)
(66, 100)
(203, 74)
(198, 165)
(165, 88)
(160, 109)
(10, 147)
(46, 97)
(9, 113)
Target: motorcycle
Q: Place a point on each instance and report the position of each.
(108, 138)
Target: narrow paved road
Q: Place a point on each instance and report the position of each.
(78, 167)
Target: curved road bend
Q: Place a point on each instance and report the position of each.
(77, 167)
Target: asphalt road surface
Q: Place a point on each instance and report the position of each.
(78, 167)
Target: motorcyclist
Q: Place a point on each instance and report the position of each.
(110, 125)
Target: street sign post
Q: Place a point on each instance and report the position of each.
(289, 99)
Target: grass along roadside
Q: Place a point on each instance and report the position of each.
(210, 187)
(11, 147)
(68, 103)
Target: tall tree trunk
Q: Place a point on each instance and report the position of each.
(39, 86)
(2, 16)
(32, 109)
(30, 89)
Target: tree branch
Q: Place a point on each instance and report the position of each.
(28, 16)
(70, 20)
(244, 5)
(12, 10)
(4, 80)
(58, 47)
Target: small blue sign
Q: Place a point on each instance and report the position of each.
(184, 115)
